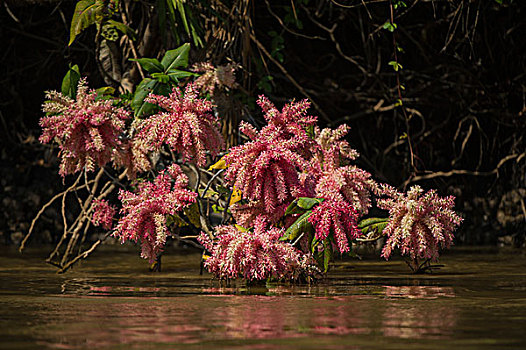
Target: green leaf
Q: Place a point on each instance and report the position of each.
(327, 254)
(163, 89)
(109, 32)
(176, 220)
(307, 203)
(123, 28)
(379, 228)
(396, 65)
(175, 74)
(218, 209)
(265, 83)
(399, 4)
(299, 226)
(151, 65)
(105, 91)
(195, 36)
(163, 78)
(138, 104)
(314, 243)
(293, 208)
(176, 58)
(390, 26)
(241, 228)
(208, 194)
(193, 215)
(87, 12)
(70, 82)
(371, 221)
(182, 13)
(310, 131)
(373, 224)
(161, 10)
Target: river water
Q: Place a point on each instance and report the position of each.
(477, 300)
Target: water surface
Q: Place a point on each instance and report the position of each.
(476, 301)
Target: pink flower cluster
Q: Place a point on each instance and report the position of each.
(335, 179)
(144, 212)
(419, 223)
(132, 154)
(266, 169)
(337, 217)
(86, 130)
(252, 255)
(282, 162)
(221, 77)
(103, 214)
(186, 125)
(346, 188)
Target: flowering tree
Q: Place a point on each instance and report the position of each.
(290, 198)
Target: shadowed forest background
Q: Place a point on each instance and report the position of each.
(439, 101)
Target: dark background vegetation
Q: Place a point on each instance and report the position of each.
(460, 129)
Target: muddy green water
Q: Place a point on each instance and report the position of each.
(476, 301)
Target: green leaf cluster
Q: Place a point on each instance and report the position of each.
(390, 26)
(302, 226)
(163, 75)
(179, 14)
(98, 12)
(396, 66)
(376, 225)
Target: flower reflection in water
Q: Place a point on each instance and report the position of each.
(133, 319)
(419, 292)
(115, 290)
(420, 317)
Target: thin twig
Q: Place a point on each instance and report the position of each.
(465, 172)
(289, 77)
(44, 207)
(203, 219)
(298, 239)
(287, 28)
(210, 182)
(85, 254)
(132, 44)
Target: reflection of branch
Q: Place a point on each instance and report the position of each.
(85, 254)
(466, 172)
